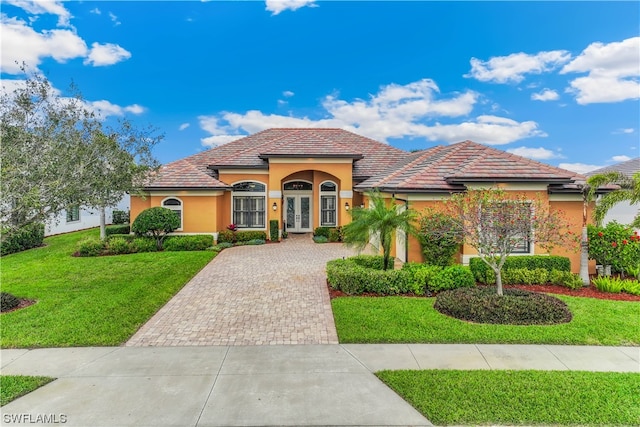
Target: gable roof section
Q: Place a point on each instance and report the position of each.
(183, 174)
(627, 168)
(446, 168)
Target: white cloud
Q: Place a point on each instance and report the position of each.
(96, 11)
(613, 71)
(512, 68)
(396, 111)
(277, 6)
(114, 19)
(105, 109)
(106, 54)
(579, 167)
(621, 158)
(623, 131)
(184, 126)
(545, 95)
(534, 153)
(288, 93)
(40, 7)
(21, 43)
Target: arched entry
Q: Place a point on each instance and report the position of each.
(298, 206)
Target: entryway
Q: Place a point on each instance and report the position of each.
(298, 212)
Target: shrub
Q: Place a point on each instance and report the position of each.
(128, 237)
(156, 222)
(27, 237)
(452, 277)
(440, 238)
(332, 234)
(353, 279)
(226, 236)
(188, 243)
(631, 287)
(91, 246)
(225, 245)
(608, 284)
(117, 229)
(118, 246)
(320, 239)
(143, 244)
(8, 301)
(335, 234)
(572, 281)
(615, 244)
(524, 276)
(252, 242)
(120, 217)
(484, 274)
(370, 261)
(245, 236)
(515, 307)
(322, 231)
(273, 230)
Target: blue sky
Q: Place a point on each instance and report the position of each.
(556, 82)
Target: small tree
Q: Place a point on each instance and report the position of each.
(495, 223)
(439, 237)
(156, 222)
(380, 219)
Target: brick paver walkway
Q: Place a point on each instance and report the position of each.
(252, 295)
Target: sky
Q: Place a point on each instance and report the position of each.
(557, 82)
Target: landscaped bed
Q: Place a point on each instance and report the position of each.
(95, 301)
(449, 397)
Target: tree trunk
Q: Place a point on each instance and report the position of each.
(498, 281)
(584, 257)
(103, 223)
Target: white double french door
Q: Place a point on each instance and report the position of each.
(298, 209)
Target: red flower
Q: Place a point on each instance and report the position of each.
(600, 234)
(624, 242)
(614, 244)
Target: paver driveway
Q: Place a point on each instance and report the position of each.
(252, 295)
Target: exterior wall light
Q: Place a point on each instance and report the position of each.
(346, 206)
(274, 206)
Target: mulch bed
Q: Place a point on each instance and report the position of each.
(586, 292)
(24, 303)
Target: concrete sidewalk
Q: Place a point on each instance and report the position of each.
(262, 385)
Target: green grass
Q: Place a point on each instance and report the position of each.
(520, 397)
(15, 386)
(98, 301)
(414, 320)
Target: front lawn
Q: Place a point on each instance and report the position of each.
(15, 386)
(448, 397)
(98, 301)
(414, 320)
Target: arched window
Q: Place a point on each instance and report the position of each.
(175, 205)
(328, 204)
(249, 201)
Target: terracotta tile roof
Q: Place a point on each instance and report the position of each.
(446, 168)
(183, 174)
(628, 168)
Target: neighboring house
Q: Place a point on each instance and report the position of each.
(623, 212)
(76, 218)
(306, 178)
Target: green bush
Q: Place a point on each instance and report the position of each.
(251, 242)
(515, 307)
(484, 274)
(524, 276)
(8, 301)
(335, 234)
(273, 230)
(320, 239)
(117, 229)
(120, 217)
(27, 237)
(354, 279)
(188, 243)
(91, 246)
(332, 234)
(452, 277)
(440, 238)
(143, 244)
(156, 222)
(608, 284)
(118, 246)
(225, 245)
(128, 237)
(322, 231)
(370, 261)
(226, 236)
(631, 287)
(245, 236)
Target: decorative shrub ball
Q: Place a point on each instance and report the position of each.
(8, 301)
(515, 307)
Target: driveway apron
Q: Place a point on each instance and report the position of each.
(252, 295)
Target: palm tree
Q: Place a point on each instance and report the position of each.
(628, 191)
(381, 219)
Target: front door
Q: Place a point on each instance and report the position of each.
(298, 211)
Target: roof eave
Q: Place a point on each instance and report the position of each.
(268, 156)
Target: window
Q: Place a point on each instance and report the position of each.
(328, 204)
(298, 185)
(508, 223)
(176, 206)
(249, 201)
(73, 213)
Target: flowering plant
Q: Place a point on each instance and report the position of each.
(232, 227)
(615, 245)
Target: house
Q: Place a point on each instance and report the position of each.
(306, 178)
(623, 212)
(78, 218)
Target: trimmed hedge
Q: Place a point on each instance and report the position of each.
(332, 234)
(117, 229)
(515, 307)
(434, 278)
(27, 237)
(118, 246)
(188, 243)
(371, 261)
(273, 230)
(484, 274)
(228, 236)
(91, 246)
(354, 279)
(8, 301)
